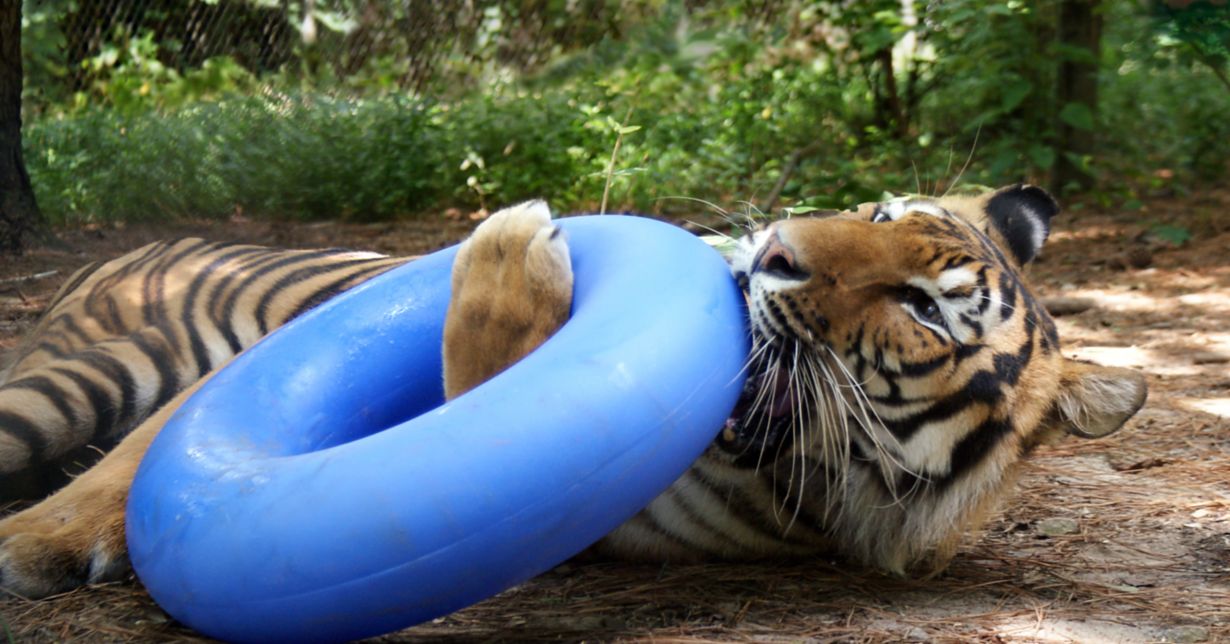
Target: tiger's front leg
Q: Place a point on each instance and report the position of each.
(512, 289)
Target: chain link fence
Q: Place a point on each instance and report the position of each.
(324, 108)
(406, 45)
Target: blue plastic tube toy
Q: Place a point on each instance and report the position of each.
(319, 489)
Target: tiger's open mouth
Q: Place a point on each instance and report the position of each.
(760, 426)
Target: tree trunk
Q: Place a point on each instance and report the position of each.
(19, 214)
(1080, 28)
(892, 115)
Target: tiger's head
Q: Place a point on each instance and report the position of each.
(902, 368)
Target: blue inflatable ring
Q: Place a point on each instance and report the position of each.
(318, 488)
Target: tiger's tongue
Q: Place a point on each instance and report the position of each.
(783, 394)
(780, 397)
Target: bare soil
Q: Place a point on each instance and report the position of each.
(1121, 539)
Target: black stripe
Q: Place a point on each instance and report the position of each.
(1009, 366)
(972, 449)
(982, 387)
(859, 458)
(168, 379)
(973, 324)
(926, 367)
(1050, 336)
(47, 346)
(688, 543)
(100, 400)
(111, 319)
(779, 320)
(983, 295)
(227, 312)
(644, 520)
(153, 286)
(790, 501)
(857, 453)
(907, 486)
(332, 289)
(738, 502)
(218, 301)
(980, 291)
(992, 249)
(69, 323)
(695, 517)
(1031, 315)
(26, 432)
(192, 293)
(54, 394)
(965, 352)
(108, 282)
(73, 282)
(119, 374)
(856, 351)
(1007, 295)
(135, 262)
(893, 397)
(957, 262)
(300, 275)
(100, 294)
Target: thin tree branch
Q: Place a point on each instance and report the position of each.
(792, 164)
(1214, 67)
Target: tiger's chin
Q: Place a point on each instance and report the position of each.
(915, 536)
(869, 509)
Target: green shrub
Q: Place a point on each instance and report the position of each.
(713, 106)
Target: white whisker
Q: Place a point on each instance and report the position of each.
(973, 148)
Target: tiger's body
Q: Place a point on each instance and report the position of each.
(902, 369)
(121, 338)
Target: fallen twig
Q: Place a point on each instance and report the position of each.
(28, 278)
(792, 164)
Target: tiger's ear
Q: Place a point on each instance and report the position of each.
(1094, 401)
(1022, 216)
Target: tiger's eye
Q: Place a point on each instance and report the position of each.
(923, 305)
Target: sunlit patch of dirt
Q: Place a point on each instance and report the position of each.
(1126, 538)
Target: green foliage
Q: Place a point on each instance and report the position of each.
(310, 156)
(1176, 235)
(1201, 28)
(129, 77)
(1163, 111)
(43, 43)
(830, 102)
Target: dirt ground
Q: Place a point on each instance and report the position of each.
(1121, 539)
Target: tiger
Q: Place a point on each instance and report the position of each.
(901, 372)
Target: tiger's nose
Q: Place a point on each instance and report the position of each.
(778, 259)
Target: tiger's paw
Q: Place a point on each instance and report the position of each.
(512, 289)
(57, 546)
